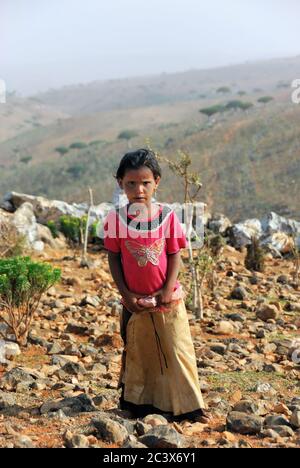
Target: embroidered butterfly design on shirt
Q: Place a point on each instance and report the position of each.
(146, 253)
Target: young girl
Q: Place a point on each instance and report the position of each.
(143, 240)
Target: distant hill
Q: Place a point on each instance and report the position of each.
(249, 161)
(20, 115)
(167, 88)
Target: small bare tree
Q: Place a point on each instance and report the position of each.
(214, 243)
(255, 257)
(296, 259)
(85, 263)
(198, 261)
(202, 261)
(11, 242)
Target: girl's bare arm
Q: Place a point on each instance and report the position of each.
(115, 265)
(130, 299)
(174, 261)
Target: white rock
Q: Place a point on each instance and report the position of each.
(225, 328)
(12, 349)
(219, 223)
(25, 222)
(38, 246)
(8, 350)
(273, 223)
(46, 210)
(272, 231)
(295, 419)
(280, 241)
(242, 232)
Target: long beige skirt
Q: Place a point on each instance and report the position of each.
(160, 366)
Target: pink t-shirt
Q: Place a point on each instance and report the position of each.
(144, 246)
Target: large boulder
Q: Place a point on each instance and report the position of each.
(45, 235)
(7, 399)
(4, 216)
(14, 377)
(244, 423)
(109, 430)
(272, 223)
(46, 210)
(219, 223)
(241, 233)
(72, 405)
(278, 232)
(163, 437)
(273, 231)
(25, 223)
(279, 241)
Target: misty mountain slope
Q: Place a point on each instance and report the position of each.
(167, 88)
(40, 143)
(112, 106)
(256, 167)
(19, 116)
(249, 162)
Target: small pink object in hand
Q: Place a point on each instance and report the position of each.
(149, 301)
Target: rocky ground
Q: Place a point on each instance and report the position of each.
(61, 391)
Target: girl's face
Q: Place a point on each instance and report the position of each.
(139, 185)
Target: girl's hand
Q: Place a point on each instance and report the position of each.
(130, 301)
(164, 295)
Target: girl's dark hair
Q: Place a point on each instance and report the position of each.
(137, 159)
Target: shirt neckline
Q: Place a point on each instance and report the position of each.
(145, 219)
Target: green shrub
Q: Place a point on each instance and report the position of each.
(209, 111)
(246, 105)
(62, 150)
(265, 99)
(73, 228)
(78, 145)
(224, 89)
(77, 170)
(53, 228)
(94, 229)
(96, 142)
(26, 159)
(22, 284)
(236, 104)
(127, 134)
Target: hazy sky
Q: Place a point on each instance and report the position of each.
(50, 43)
